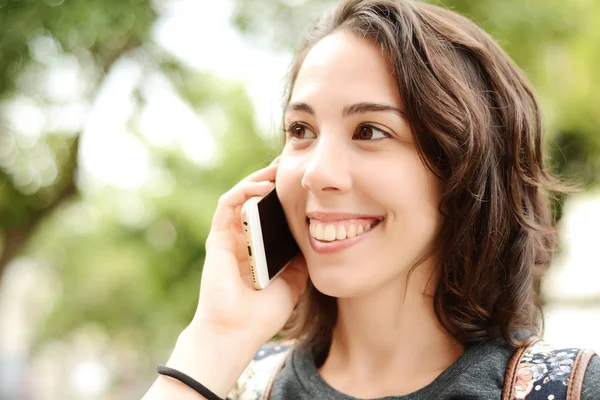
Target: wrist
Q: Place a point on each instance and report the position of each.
(213, 359)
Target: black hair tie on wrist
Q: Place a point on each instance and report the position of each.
(188, 380)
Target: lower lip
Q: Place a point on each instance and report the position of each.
(322, 247)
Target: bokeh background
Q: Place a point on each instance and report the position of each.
(121, 123)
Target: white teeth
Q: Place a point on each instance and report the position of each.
(351, 231)
(329, 233)
(340, 233)
(319, 232)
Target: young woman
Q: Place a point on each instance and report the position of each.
(412, 178)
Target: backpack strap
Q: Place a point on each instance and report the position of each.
(581, 364)
(257, 379)
(269, 387)
(538, 371)
(508, 392)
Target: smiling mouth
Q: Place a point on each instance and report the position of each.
(337, 231)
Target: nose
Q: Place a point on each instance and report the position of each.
(327, 167)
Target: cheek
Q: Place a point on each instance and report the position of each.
(288, 182)
(418, 212)
(388, 179)
(405, 187)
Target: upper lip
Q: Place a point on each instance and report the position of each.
(337, 216)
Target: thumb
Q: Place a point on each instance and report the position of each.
(294, 276)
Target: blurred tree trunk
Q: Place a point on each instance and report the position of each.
(114, 31)
(16, 237)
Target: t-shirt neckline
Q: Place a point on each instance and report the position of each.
(309, 377)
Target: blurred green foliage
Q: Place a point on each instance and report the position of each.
(36, 37)
(132, 259)
(129, 261)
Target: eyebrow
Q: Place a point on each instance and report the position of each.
(352, 109)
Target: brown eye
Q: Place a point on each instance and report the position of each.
(365, 133)
(299, 131)
(368, 132)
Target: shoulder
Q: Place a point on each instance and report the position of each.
(257, 375)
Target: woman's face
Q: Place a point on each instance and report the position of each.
(360, 203)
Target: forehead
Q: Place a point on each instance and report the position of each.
(342, 65)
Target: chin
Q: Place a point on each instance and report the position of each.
(338, 285)
(335, 289)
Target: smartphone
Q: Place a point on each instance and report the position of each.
(269, 240)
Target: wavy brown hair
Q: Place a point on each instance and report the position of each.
(477, 127)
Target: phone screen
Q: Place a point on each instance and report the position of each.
(280, 246)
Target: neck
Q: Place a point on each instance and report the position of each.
(389, 333)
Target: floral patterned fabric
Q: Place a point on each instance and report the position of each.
(262, 368)
(544, 372)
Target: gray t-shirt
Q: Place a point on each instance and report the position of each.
(477, 374)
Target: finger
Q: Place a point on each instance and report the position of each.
(237, 225)
(225, 215)
(265, 174)
(298, 274)
(224, 250)
(241, 248)
(292, 280)
(275, 161)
